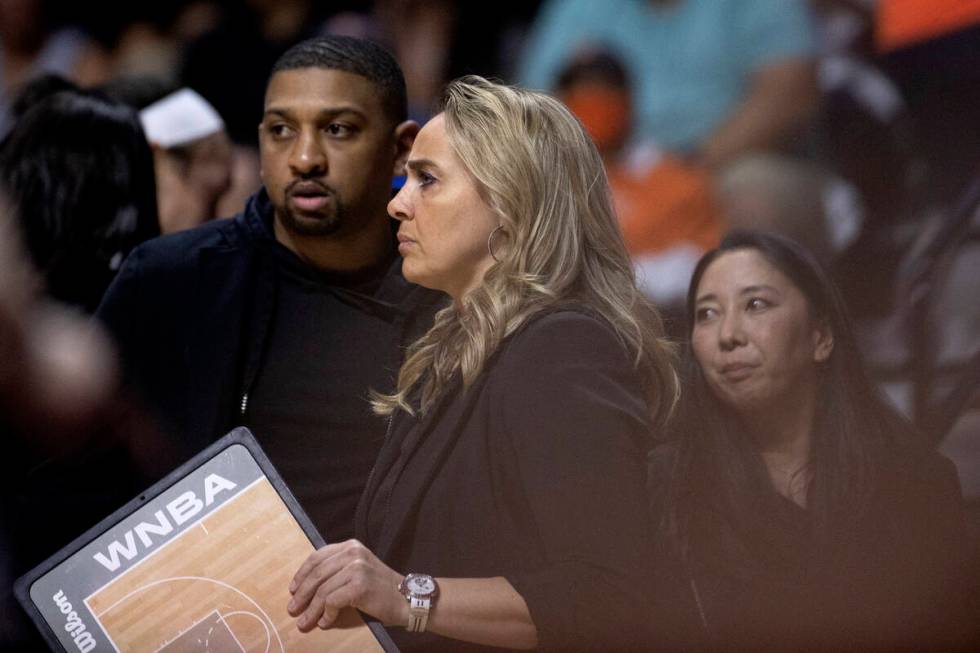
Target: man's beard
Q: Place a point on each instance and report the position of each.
(323, 225)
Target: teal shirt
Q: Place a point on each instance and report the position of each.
(690, 62)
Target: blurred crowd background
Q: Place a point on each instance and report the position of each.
(852, 126)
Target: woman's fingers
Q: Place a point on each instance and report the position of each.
(337, 576)
(311, 562)
(329, 604)
(323, 575)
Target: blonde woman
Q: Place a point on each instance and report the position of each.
(511, 482)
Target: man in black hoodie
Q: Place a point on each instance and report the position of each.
(286, 317)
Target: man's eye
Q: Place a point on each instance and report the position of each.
(757, 304)
(279, 130)
(338, 129)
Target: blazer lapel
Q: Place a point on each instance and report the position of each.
(398, 429)
(439, 432)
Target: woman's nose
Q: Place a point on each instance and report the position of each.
(399, 206)
(730, 332)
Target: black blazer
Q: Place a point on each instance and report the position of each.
(534, 473)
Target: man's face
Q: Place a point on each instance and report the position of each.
(328, 151)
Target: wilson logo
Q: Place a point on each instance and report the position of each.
(76, 628)
(176, 513)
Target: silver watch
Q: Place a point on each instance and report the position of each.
(421, 592)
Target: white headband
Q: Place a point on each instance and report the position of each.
(180, 118)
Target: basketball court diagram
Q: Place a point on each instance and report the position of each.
(202, 568)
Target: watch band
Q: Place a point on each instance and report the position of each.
(418, 614)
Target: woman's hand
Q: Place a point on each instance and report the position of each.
(344, 575)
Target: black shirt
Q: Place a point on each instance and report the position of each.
(330, 342)
(887, 582)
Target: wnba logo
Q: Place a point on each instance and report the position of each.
(181, 509)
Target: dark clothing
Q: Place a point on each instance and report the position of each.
(305, 404)
(891, 584)
(56, 485)
(208, 317)
(534, 473)
(230, 67)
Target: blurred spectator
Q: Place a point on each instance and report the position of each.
(900, 80)
(29, 47)
(421, 34)
(53, 379)
(57, 369)
(488, 37)
(62, 421)
(714, 79)
(80, 174)
(726, 86)
(230, 64)
(789, 196)
(192, 158)
(864, 130)
(931, 48)
(905, 22)
(192, 154)
(151, 38)
(665, 207)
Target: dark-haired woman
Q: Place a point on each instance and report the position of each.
(796, 508)
(79, 172)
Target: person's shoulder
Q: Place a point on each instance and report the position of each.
(183, 247)
(560, 341)
(566, 319)
(915, 470)
(569, 327)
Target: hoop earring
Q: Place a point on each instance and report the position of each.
(490, 243)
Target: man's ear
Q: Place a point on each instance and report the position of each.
(823, 342)
(405, 134)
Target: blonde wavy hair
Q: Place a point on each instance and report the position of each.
(540, 173)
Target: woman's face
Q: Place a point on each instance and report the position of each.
(753, 334)
(445, 224)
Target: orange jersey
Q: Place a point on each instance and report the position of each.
(899, 23)
(663, 206)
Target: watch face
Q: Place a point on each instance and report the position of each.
(421, 585)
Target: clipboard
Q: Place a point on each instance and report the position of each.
(201, 561)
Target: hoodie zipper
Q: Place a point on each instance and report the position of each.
(263, 313)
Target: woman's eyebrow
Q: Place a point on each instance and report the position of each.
(757, 288)
(418, 164)
(710, 297)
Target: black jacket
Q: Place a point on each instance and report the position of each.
(534, 473)
(897, 581)
(191, 311)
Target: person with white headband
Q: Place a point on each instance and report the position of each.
(192, 158)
